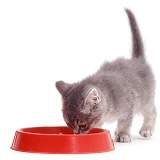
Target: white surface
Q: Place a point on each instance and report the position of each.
(42, 42)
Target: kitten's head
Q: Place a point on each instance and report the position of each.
(81, 106)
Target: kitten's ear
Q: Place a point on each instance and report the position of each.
(61, 86)
(93, 97)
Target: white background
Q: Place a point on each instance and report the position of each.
(44, 41)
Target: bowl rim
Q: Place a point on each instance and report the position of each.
(22, 130)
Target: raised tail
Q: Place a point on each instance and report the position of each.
(137, 42)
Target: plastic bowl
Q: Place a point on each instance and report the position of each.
(61, 140)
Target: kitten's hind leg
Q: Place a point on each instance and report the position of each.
(147, 128)
(123, 129)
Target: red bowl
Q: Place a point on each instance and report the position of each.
(61, 140)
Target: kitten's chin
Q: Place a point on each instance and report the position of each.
(76, 131)
(80, 132)
(85, 132)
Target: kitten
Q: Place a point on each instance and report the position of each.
(117, 91)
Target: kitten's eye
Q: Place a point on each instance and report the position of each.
(83, 126)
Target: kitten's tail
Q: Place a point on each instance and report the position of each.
(137, 42)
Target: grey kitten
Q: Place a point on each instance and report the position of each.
(117, 91)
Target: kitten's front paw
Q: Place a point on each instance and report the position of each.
(123, 137)
(146, 132)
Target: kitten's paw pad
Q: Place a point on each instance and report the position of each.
(146, 132)
(123, 137)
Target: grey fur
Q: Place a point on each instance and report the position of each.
(117, 91)
(137, 43)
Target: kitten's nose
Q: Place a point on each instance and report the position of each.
(81, 125)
